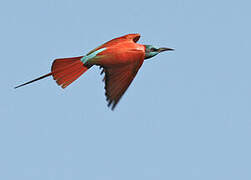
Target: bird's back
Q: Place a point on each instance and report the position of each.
(126, 38)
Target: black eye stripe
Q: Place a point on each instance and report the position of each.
(154, 49)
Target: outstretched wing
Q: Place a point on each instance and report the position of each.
(117, 79)
(128, 37)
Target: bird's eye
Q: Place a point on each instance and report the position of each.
(154, 49)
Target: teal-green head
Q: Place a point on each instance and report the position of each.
(151, 51)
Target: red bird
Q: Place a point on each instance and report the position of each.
(120, 60)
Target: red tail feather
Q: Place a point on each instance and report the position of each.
(64, 71)
(67, 70)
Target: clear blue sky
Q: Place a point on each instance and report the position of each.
(187, 114)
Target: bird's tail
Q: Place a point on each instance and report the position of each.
(64, 71)
(67, 70)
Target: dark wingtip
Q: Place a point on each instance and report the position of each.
(111, 104)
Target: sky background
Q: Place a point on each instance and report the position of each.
(185, 116)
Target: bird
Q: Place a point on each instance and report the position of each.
(119, 59)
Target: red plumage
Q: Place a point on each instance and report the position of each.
(120, 59)
(67, 70)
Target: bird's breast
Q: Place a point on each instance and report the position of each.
(121, 55)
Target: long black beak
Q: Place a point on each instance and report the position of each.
(165, 49)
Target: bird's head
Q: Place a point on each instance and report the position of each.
(151, 51)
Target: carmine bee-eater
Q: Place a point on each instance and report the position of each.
(120, 60)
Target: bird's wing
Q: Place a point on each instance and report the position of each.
(117, 79)
(128, 37)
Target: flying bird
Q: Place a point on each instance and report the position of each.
(119, 58)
